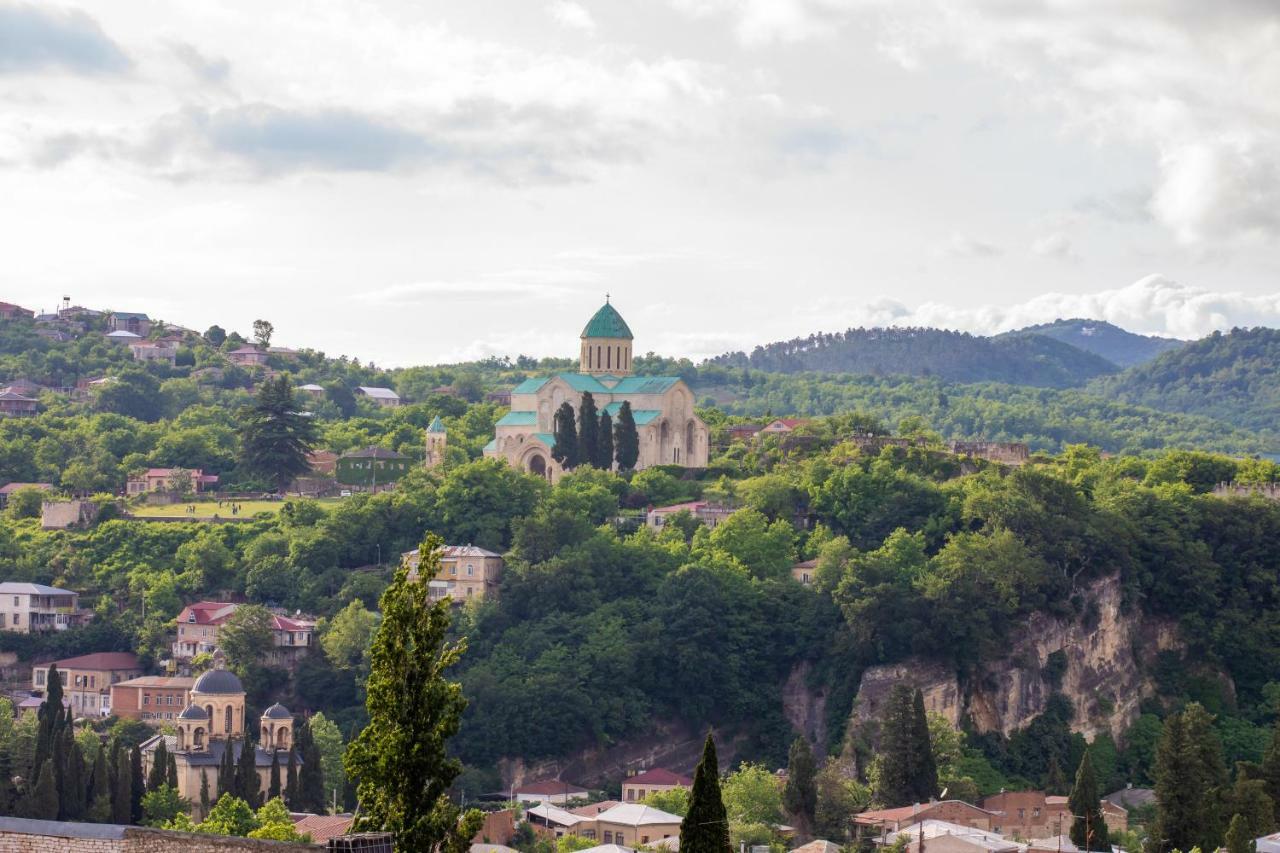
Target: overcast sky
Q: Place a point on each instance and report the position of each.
(416, 182)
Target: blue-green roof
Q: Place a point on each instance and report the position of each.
(645, 384)
(607, 323)
(640, 416)
(531, 385)
(492, 445)
(437, 425)
(546, 438)
(518, 419)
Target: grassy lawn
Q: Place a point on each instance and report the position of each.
(208, 509)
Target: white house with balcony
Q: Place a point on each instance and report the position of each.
(29, 607)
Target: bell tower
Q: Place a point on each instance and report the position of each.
(437, 440)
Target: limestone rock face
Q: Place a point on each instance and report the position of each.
(1107, 656)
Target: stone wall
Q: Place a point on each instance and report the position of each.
(18, 835)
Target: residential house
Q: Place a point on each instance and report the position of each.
(124, 321)
(9, 311)
(501, 398)
(804, 571)
(122, 337)
(373, 468)
(87, 679)
(384, 397)
(466, 572)
(322, 827)
(323, 462)
(635, 825)
(27, 608)
(636, 788)
(25, 387)
(1055, 844)
(942, 836)
(247, 356)
(7, 490)
(312, 390)
(892, 820)
(783, 426)
(549, 791)
(180, 480)
(710, 514)
(818, 845)
(742, 432)
(593, 809)
(31, 704)
(15, 405)
(551, 821)
(1033, 814)
(198, 626)
(162, 351)
(498, 828)
(153, 699)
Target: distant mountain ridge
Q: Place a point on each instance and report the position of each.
(1016, 359)
(1118, 346)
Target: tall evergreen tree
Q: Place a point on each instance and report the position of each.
(159, 767)
(51, 717)
(100, 787)
(275, 436)
(565, 449)
(1088, 829)
(400, 760)
(1271, 767)
(311, 776)
(227, 772)
(588, 431)
(800, 796)
(42, 803)
(1190, 776)
(626, 439)
(705, 828)
(924, 769)
(248, 786)
(73, 792)
(136, 784)
(291, 793)
(204, 793)
(122, 790)
(606, 442)
(273, 787)
(171, 777)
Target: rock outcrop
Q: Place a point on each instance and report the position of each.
(1107, 657)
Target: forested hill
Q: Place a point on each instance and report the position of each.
(953, 356)
(1116, 345)
(1232, 377)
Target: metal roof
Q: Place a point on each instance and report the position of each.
(607, 323)
(516, 419)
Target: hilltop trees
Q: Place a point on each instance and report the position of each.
(399, 760)
(275, 436)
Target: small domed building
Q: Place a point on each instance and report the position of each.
(212, 722)
(669, 431)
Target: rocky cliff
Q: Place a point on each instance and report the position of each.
(1108, 656)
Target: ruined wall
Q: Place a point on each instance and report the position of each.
(1104, 678)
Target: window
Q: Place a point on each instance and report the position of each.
(1035, 812)
(1022, 814)
(228, 725)
(608, 837)
(191, 617)
(619, 838)
(40, 674)
(644, 839)
(15, 601)
(93, 681)
(471, 570)
(146, 698)
(631, 794)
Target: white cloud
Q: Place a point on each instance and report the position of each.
(964, 246)
(1153, 305)
(1053, 245)
(572, 15)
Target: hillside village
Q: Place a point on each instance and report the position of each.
(212, 615)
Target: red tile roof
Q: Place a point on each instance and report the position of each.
(322, 827)
(207, 612)
(101, 660)
(658, 776)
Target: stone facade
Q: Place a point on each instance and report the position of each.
(18, 835)
(669, 431)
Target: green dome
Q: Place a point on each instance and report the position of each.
(607, 323)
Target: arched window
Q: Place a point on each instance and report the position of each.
(228, 720)
(597, 356)
(537, 465)
(208, 710)
(688, 440)
(266, 735)
(282, 737)
(197, 738)
(608, 357)
(182, 737)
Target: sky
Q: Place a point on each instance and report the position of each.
(415, 183)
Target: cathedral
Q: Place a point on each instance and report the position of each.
(670, 432)
(212, 722)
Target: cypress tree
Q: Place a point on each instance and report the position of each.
(248, 786)
(588, 431)
(227, 772)
(705, 828)
(6, 785)
(171, 778)
(924, 770)
(122, 796)
(626, 440)
(1190, 775)
(896, 784)
(51, 718)
(273, 787)
(159, 767)
(565, 450)
(800, 796)
(60, 759)
(100, 786)
(311, 777)
(292, 796)
(204, 793)
(606, 442)
(42, 803)
(1271, 766)
(75, 793)
(1088, 829)
(136, 783)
